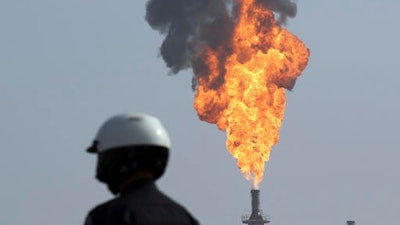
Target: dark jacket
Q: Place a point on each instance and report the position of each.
(140, 203)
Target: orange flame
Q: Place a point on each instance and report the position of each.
(249, 105)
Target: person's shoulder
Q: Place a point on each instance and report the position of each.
(102, 206)
(101, 212)
(171, 202)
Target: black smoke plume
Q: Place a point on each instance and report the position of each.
(189, 25)
(285, 8)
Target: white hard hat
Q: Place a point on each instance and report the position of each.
(128, 130)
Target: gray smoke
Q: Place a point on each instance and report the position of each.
(285, 8)
(189, 25)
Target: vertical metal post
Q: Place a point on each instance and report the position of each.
(255, 201)
(256, 217)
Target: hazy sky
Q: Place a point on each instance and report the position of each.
(66, 66)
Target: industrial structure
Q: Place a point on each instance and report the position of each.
(256, 217)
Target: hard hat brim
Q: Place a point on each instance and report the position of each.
(93, 148)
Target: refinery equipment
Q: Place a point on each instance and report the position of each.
(256, 217)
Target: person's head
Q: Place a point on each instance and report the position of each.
(130, 146)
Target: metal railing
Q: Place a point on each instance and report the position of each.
(246, 218)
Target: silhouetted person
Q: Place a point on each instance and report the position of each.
(132, 153)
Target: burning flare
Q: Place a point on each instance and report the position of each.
(248, 101)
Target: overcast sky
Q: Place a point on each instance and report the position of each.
(66, 66)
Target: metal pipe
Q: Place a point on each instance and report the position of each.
(255, 201)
